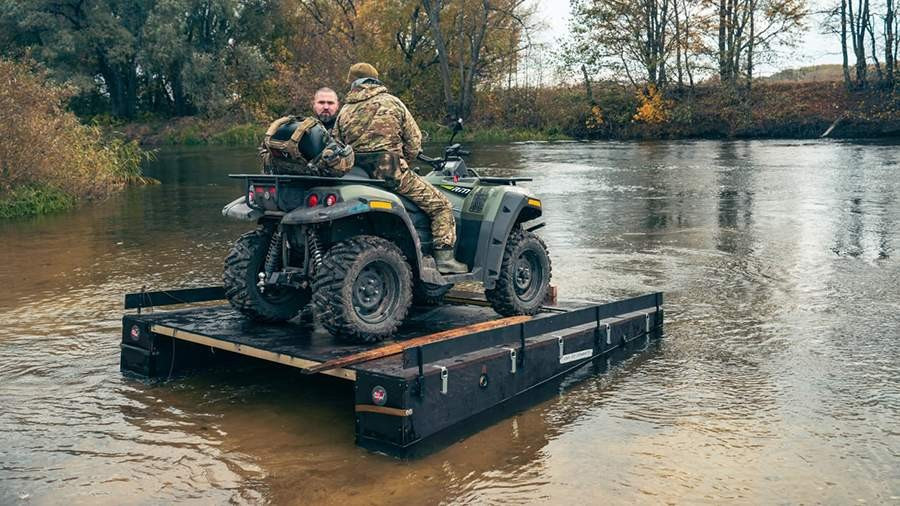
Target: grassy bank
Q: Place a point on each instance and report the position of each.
(768, 110)
(217, 132)
(49, 160)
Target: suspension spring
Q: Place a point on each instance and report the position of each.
(315, 250)
(273, 256)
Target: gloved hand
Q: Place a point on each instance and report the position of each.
(337, 157)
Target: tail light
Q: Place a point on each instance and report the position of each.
(331, 199)
(251, 198)
(312, 200)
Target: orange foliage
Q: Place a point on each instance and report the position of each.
(652, 107)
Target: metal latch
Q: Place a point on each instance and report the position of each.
(512, 359)
(608, 334)
(647, 324)
(445, 375)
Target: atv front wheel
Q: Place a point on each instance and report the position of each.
(242, 267)
(363, 290)
(524, 275)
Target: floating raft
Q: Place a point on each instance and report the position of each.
(447, 364)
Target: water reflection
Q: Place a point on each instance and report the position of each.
(777, 381)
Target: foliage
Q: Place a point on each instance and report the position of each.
(173, 57)
(652, 108)
(46, 155)
(34, 199)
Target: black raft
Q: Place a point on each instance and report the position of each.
(446, 365)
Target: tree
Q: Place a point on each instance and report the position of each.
(748, 28)
(472, 35)
(95, 42)
(625, 34)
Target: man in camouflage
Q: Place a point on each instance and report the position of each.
(385, 138)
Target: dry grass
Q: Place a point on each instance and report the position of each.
(44, 146)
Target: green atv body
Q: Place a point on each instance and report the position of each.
(360, 254)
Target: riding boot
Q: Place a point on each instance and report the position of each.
(447, 264)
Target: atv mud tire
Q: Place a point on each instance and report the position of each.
(427, 294)
(242, 267)
(524, 276)
(363, 290)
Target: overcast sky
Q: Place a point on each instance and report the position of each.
(814, 49)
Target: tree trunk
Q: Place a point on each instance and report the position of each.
(858, 24)
(723, 62)
(678, 46)
(750, 46)
(846, 60)
(588, 90)
(687, 38)
(433, 10)
(121, 85)
(875, 52)
(889, 55)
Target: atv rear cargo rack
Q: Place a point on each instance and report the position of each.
(448, 364)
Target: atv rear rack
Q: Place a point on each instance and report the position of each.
(446, 365)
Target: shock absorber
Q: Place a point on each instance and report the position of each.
(273, 258)
(315, 250)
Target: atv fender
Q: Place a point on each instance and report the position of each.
(239, 210)
(514, 209)
(321, 214)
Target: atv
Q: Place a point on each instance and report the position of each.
(360, 254)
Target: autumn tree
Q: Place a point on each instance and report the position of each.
(748, 29)
(631, 36)
(473, 37)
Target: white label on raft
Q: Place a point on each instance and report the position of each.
(578, 355)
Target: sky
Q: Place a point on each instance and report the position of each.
(814, 48)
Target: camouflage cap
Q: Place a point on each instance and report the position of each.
(361, 70)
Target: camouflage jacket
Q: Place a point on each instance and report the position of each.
(374, 120)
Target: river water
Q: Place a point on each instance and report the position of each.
(778, 380)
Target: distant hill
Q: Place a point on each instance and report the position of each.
(815, 73)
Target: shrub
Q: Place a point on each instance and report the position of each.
(48, 159)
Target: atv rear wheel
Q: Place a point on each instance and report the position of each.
(363, 290)
(524, 275)
(242, 267)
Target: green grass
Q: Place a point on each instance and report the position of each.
(247, 134)
(34, 199)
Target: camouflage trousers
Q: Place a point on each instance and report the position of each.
(395, 171)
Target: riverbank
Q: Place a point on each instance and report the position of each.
(194, 131)
(768, 110)
(775, 110)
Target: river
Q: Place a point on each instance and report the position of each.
(778, 380)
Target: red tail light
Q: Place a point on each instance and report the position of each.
(251, 198)
(331, 199)
(312, 200)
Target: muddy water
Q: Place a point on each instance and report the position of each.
(777, 381)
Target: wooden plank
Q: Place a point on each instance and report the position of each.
(383, 410)
(300, 363)
(398, 347)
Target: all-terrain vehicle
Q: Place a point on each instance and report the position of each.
(361, 254)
